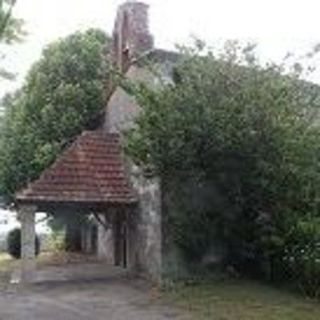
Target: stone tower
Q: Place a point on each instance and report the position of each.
(131, 35)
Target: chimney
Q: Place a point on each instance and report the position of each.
(131, 35)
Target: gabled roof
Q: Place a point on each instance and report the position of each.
(91, 171)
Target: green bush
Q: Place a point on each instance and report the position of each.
(57, 241)
(236, 145)
(304, 264)
(14, 243)
(295, 257)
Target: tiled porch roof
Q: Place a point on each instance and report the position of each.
(91, 170)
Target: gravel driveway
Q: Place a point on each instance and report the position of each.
(116, 297)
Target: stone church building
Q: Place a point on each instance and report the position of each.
(94, 177)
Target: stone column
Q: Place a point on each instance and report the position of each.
(105, 240)
(149, 224)
(28, 237)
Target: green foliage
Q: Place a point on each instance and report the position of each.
(14, 243)
(296, 258)
(57, 241)
(71, 226)
(237, 146)
(62, 95)
(10, 27)
(11, 30)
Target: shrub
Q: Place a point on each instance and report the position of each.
(305, 265)
(241, 140)
(296, 258)
(236, 143)
(57, 241)
(14, 243)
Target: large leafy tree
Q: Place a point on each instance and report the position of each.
(62, 95)
(237, 147)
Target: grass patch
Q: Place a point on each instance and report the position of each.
(241, 300)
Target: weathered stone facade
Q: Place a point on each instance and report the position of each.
(145, 229)
(131, 38)
(148, 235)
(122, 109)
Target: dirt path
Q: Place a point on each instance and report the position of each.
(113, 298)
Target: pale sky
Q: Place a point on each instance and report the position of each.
(278, 26)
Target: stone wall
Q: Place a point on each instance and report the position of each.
(122, 109)
(148, 232)
(146, 228)
(145, 225)
(131, 39)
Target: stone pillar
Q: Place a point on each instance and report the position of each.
(28, 237)
(105, 241)
(150, 201)
(132, 246)
(149, 224)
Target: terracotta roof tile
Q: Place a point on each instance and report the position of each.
(91, 170)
